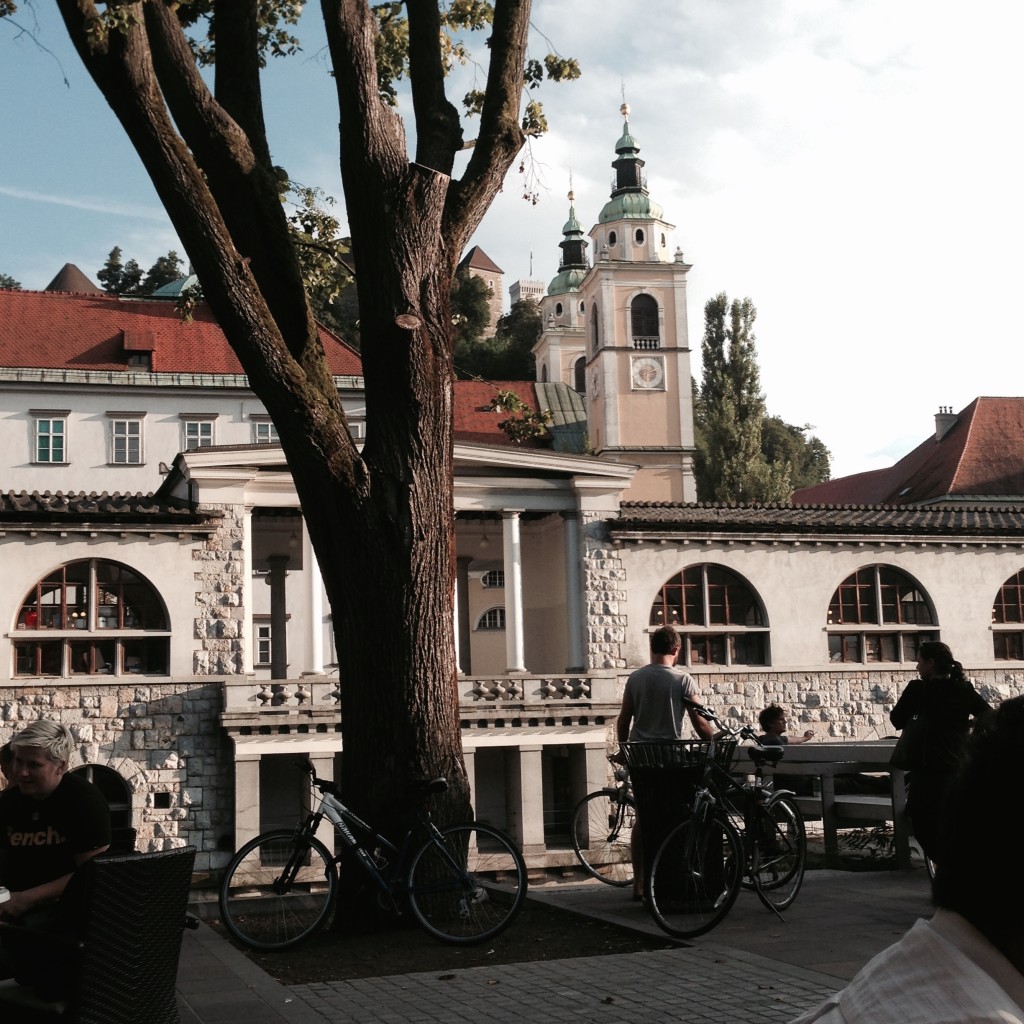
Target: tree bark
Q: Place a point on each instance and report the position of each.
(381, 522)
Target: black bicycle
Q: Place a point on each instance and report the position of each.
(463, 883)
(602, 830)
(736, 834)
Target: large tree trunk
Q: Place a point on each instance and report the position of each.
(381, 521)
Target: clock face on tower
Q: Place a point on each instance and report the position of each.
(648, 373)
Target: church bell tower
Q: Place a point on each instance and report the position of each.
(635, 343)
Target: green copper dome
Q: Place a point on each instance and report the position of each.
(631, 206)
(568, 280)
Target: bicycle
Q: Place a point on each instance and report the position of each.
(602, 830)
(736, 835)
(464, 883)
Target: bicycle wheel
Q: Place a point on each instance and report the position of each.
(602, 828)
(467, 885)
(695, 877)
(278, 890)
(779, 852)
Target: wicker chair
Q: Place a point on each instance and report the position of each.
(124, 966)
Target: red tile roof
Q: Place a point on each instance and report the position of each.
(477, 259)
(57, 330)
(476, 421)
(980, 456)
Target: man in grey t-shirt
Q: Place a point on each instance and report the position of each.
(652, 709)
(652, 704)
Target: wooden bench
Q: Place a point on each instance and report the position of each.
(826, 761)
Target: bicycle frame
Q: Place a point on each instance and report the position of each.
(345, 822)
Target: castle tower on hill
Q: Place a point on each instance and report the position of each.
(617, 332)
(478, 264)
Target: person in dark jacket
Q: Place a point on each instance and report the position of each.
(934, 712)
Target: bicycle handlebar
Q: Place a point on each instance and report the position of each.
(743, 732)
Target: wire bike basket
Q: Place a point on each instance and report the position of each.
(679, 754)
(664, 775)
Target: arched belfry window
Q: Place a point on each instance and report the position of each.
(879, 614)
(643, 316)
(593, 327)
(1008, 620)
(579, 375)
(92, 617)
(717, 613)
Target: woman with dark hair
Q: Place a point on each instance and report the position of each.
(934, 712)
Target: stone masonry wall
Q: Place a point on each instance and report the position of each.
(162, 738)
(836, 705)
(604, 595)
(220, 611)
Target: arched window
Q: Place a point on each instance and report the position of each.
(879, 614)
(493, 578)
(644, 322)
(558, 309)
(1008, 620)
(639, 236)
(493, 618)
(92, 617)
(593, 326)
(718, 615)
(612, 238)
(579, 375)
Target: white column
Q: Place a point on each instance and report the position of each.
(315, 627)
(248, 633)
(574, 593)
(514, 653)
(463, 630)
(247, 797)
(455, 628)
(469, 756)
(526, 798)
(323, 766)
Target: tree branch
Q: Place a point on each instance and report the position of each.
(237, 70)
(500, 137)
(122, 67)
(239, 180)
(438, 129)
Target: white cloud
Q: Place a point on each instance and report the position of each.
(109, 207)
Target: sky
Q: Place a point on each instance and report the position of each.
(855, 167)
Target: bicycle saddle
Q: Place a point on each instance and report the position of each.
(766, 755)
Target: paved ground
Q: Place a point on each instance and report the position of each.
(752, 968)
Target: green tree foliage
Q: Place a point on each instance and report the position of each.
(809, 460)
(742, 454)
(7, 283)
(509, 354)
(119, 278)
(165, 270)
(471, 309)
(383, 512)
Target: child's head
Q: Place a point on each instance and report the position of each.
(772, 719)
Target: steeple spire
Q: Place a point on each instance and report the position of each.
(573, 265)
(629, 197)
(628, 166)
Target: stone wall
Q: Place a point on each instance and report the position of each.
(162, 739)
(220, 606)
(604, 594)
(836, 704)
